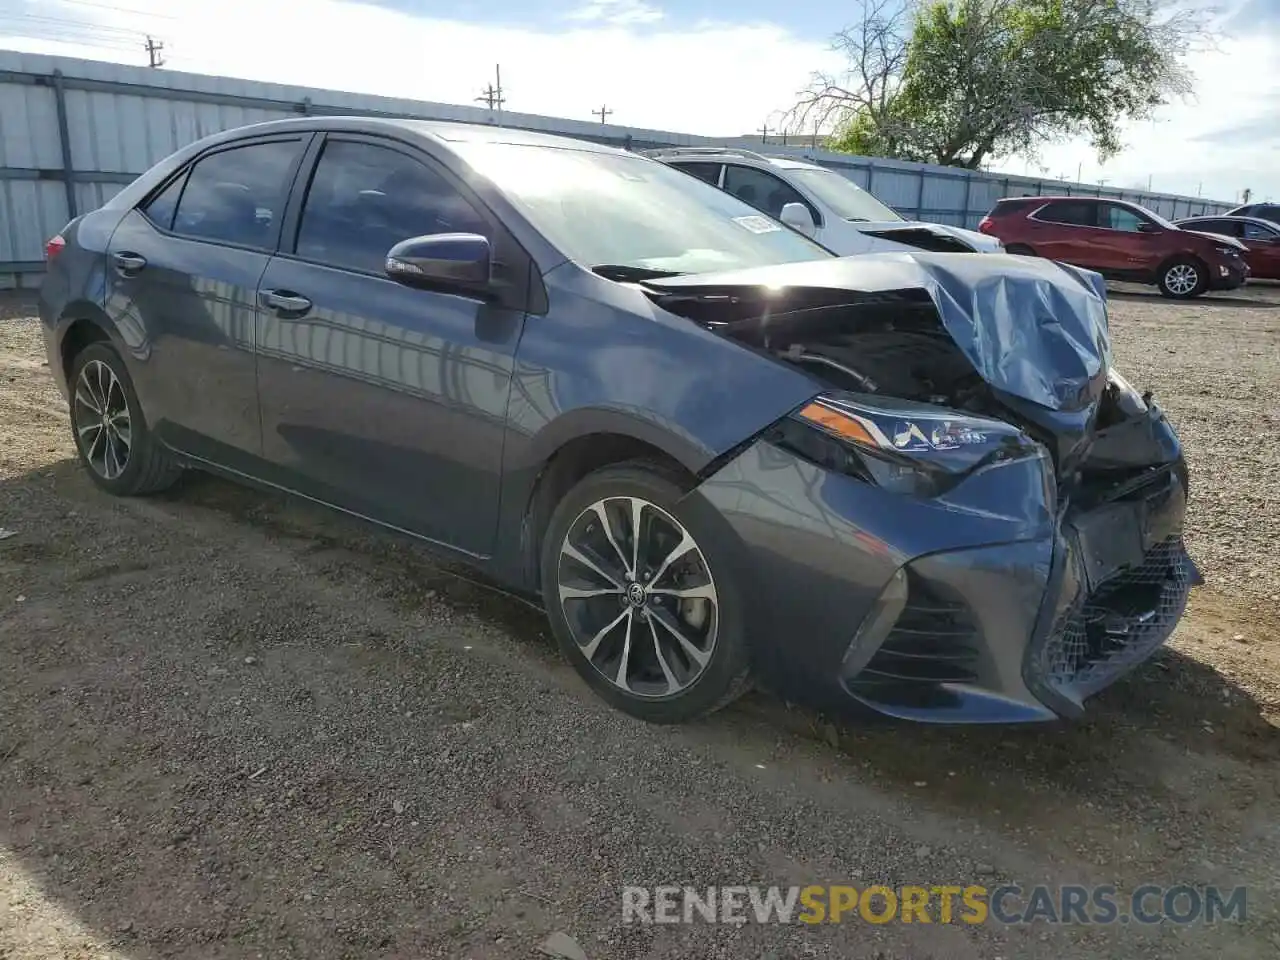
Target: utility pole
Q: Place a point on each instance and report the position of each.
(764, 133)
(1148, 183)
(602, 113)
(1079, 171)
(492, 94)
(153, 48)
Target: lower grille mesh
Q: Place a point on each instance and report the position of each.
(1107, 632)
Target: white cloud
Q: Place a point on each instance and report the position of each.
(1199, 146)
(730, 77)
(616, 12)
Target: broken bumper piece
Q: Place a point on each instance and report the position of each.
(980, 607)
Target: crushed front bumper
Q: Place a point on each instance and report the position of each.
(984, 605)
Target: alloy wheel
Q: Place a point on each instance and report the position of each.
(100, 412)
(1181, 279)
(638, 596)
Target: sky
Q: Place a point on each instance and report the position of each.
(693, 66)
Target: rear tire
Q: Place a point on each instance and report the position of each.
(116, 448)
(1183, 278)
(662, 640)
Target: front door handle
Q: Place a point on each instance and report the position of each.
(285, 302)
(129, 262)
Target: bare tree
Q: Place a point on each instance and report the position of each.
(876, 51)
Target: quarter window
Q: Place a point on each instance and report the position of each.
(710, 172)
(761, 190)
(161, 208)
(364, 199)
(238, 195)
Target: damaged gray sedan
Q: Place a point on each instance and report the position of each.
(715, 453)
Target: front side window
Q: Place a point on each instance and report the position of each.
(1069, 212)
(620, 209)
(238, 195)
(1122, 218)
(364, 199)
(1258, 231)
(762, 190)
(845, 198)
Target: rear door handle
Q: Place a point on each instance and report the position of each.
(285, 302)
(129, 262)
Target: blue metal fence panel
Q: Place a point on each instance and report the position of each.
(119, 120)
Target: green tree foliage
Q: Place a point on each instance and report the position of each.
(956, 82)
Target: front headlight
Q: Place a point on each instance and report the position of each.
(915, 448)
(1127, 397)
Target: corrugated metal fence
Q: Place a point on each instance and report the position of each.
(73, 132)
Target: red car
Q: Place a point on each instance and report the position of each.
(1120, 240)
(1262, 237)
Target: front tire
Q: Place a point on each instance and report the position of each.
(1183, 279)
(116, 449)
(642, 599)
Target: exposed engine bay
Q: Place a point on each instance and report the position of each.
(1029, 348)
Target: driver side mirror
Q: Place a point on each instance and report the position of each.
(1145, 227)
(798, 217)
(442, 260)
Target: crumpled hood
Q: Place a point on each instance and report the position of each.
(1032, 328)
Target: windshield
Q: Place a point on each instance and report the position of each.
(627, 211)
(841, 195)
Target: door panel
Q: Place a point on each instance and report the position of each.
(385, 400)
(182, 288)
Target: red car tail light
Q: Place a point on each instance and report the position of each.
(54, 246)
(984, 225)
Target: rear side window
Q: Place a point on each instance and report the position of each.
(364, 199)
(709, 172)
(1007, 208)
(238, 195)
(1267, 211)
(761, 190)
(161, 208)
(1070, 212)
(1225, 227)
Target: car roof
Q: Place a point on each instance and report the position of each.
(1229, 217)
(445, 131)
(723, 154)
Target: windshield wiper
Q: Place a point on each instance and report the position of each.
(622, 273)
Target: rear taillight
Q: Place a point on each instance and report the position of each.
(54, 246)
(984, 225)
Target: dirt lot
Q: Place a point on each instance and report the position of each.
(234, 726)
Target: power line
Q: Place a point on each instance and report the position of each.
(115, 9)
(88, 25)
(82, 36)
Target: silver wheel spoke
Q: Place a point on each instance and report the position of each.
(705, 592)
(700, 657)
(621, 679)
(90, 433)
(603, 515)
(589, 651)
(672, 683)
(578, 593)
(684, 546)
(637, 512)
(570, 550)
(84, 397)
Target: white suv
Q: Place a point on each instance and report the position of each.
(818, 202)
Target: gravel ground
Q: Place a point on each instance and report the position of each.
(232, 725)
